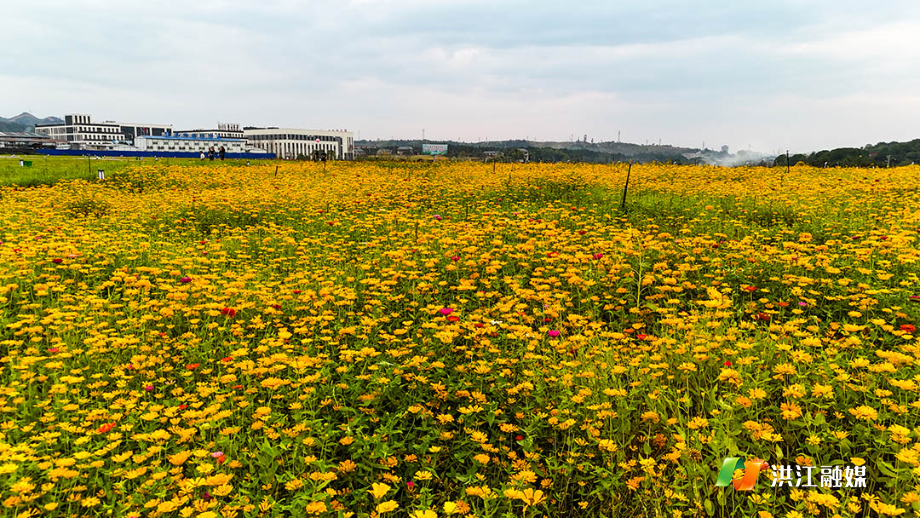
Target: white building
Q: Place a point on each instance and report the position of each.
(287, 143)
(222, 131)
(80, 132)
(169, 144)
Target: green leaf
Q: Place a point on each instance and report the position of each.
(710, 510)
(887, 469)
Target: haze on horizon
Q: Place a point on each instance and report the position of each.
(766, 75)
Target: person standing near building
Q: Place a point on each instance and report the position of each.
(223, 152)
(202, 155)
(211, 153)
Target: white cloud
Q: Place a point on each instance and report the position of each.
(777, 75)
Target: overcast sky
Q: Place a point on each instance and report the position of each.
(771, 75)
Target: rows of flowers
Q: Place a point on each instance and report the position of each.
(457, 339)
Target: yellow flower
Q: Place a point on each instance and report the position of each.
(379, 490)
(427, 513)
(316, 507)
(886, 509)
(864, 412)
(179, 458)
(389, 505)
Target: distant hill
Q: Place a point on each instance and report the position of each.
(575, 151)
(25, 121)
(6, 125)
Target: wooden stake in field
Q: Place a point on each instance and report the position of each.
(626, 186)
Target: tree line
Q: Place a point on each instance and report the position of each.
(883, 154)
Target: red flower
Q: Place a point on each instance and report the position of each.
(57, 260)
(237, 387)
(226, 359)
(453, 319)
(519, 438)
(221, 459)
(763, 317)
(106, 428)
(183, 406)
(783, 304)
(727, 363)
(750, 289)
(455, 258)
(907, 328)
(296, 292)
(479, 325)
(641, 336)
(192, 366)
(230, 312)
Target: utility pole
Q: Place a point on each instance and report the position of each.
(889, 161)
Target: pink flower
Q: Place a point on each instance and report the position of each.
(438, 217)
(217, 454)
(455, 258)
(446, 311)
(410, 484)
(185, 280)
(597, 256)
(553, 333)
(149, 388)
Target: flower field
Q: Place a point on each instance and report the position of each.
(457, 339)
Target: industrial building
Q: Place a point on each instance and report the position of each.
(169, 144)
(80, 132)
(222, 131)
(17, 140)
(290, 143)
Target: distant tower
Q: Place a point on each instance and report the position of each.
(725, 149)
